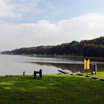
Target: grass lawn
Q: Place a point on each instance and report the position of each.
(97, 75)
(51, 89)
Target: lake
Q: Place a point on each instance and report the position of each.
(16, 64)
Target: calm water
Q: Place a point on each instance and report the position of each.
(15, 65)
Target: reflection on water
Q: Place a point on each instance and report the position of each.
(15, 65)
(74, 68)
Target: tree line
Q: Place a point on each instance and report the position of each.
(92, 48)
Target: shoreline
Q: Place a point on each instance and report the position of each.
(72, 57)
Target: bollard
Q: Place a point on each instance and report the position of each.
(38, 72)
(40, 75)
(95, 65)
(34, 74)
(93, 68)
(23, 73)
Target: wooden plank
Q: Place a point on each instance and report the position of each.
(63, 72)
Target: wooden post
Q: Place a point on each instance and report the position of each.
(34, 74)
(23, 73)
(95, 65)
(40, 73)
(94, 68)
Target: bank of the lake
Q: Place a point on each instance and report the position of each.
(51, 89)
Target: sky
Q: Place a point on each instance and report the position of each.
(31, 23)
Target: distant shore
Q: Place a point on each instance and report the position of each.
(72, 57)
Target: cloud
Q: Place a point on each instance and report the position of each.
(19, 8)
(87, 26)
(44, 32)
(7, 9)
(27, 7)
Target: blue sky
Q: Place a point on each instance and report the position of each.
(56, 10)
(30, 23)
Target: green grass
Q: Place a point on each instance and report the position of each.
(51, 89)
(98, 74)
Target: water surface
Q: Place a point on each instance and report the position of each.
(16, 64)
